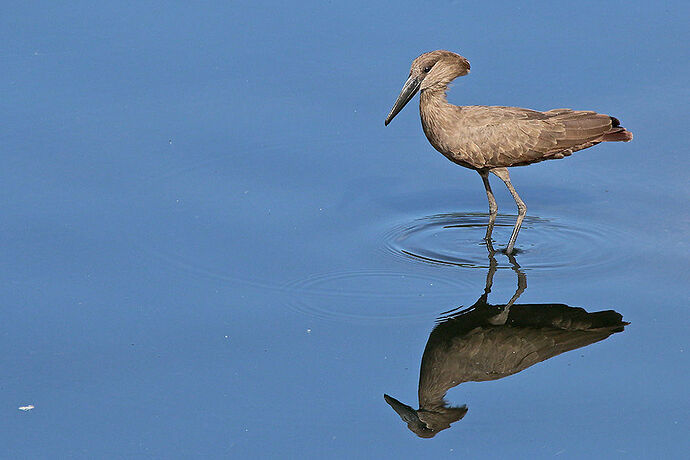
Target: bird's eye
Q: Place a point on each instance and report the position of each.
(427, 69)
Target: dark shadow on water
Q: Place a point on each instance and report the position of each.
(491, 341)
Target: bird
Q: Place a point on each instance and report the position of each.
(489, 342)
(491, 139)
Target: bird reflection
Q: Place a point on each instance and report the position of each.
(488, 342)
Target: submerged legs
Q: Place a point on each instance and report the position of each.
(502, 317)
(502, 174)
(521, 280)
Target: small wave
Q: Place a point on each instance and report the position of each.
(372, 295)
(458, 240)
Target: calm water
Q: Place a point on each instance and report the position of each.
(213, 247)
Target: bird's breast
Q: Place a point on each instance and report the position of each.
(446, 134)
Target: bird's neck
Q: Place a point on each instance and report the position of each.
(435, 95)
(434, 110)
(433, 105)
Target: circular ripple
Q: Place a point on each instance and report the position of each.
(543, 244)
(372, 295)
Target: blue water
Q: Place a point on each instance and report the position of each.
(213, 247)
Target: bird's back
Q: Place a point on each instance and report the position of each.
(492, 136)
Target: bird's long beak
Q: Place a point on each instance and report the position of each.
(406, 413)
(409, 89)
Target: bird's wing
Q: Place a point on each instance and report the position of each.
(512, 136)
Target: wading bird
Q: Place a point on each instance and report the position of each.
(492, 139)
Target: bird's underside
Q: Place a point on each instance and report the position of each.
(484, 137)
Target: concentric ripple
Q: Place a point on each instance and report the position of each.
(543, 244)
(372, 295)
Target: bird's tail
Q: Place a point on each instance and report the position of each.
(617, 133)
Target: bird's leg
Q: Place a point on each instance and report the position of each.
(502, 173)
(493, 207)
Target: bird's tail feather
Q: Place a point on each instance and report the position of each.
(618, 134)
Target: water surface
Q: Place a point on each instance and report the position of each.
(213, 247)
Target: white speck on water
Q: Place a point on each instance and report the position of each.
(26, 408)
(308, 331)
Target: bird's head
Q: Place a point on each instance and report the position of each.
(426, 423)
(433, 70)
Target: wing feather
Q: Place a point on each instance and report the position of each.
(486, 136)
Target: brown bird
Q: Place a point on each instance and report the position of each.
(492, 139)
